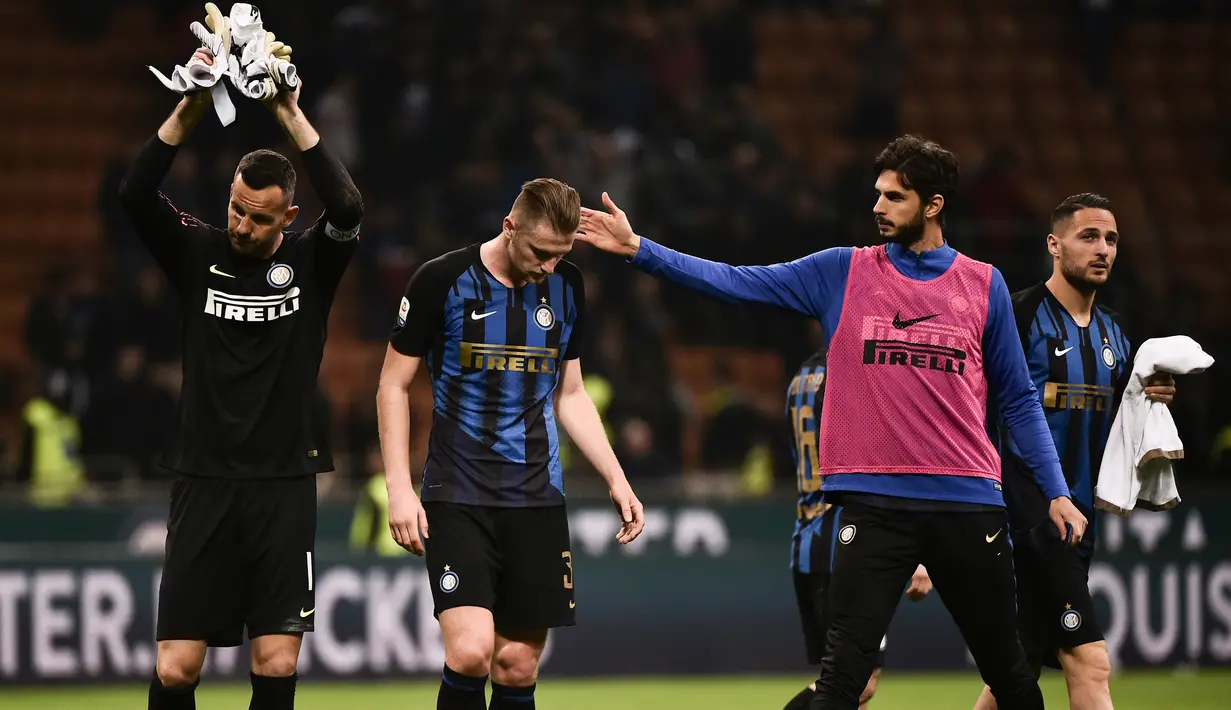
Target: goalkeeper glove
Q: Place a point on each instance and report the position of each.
(198, 75)
(263, 66)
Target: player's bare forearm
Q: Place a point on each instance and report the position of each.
(576, 411)
(187, 114)
(296, 125)
(393, 417)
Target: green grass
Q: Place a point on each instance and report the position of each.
(1206, 690)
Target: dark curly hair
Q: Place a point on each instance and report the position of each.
(923, 166)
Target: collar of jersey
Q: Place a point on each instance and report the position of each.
(924, 266)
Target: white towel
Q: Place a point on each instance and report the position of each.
(1137, 467)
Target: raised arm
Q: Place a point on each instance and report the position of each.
(343, 203)
(1008, 376)
(806, 285)
(158, 223)
(337, 231)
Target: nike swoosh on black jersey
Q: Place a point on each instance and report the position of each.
(899, 323)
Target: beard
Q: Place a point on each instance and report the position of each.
(1078, 277)
(908, 234)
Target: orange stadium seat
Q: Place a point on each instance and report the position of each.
(1197, 35)
(996, 27)
(915, 110)
(1191, 69)
(953, 109)
(1144, 38)
(1048, 111)
(911, 30)
(998, 109)
(991, 72)
(1149, 111)
(1158, 154)
(1061, 154)
(1106, 155)
(942, 70)
(1040, 71)
(1094, 115)
(1195, 108)
(1139, 71)
(851, 32)
(774, 28)
(816, 30)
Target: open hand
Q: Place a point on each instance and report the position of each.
(609, 231)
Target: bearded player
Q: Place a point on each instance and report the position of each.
(1080, 359)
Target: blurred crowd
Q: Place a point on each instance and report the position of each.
(441, 111)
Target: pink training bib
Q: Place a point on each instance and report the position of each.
(906, 391)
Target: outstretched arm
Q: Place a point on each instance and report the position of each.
(806, 285)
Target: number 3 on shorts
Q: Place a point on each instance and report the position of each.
(568, 560)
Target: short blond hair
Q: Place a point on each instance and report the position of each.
(552, 200)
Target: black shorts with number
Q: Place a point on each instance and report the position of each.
(239, 554)
(515, 562)
(812, 589)
(1054, 607)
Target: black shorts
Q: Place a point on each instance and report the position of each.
(812, 589)
(239, 554)
(1054, 607)
(515, 562)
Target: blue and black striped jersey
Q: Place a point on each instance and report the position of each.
(803, 409)
(1080, 373)
(494, 354)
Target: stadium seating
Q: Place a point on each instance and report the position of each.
(54, 145)
(974, 75)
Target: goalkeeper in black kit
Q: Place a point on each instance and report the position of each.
(255, 299)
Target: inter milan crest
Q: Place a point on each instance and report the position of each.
(448, 581)
(279, 275)
(846, 534)
(1109, 356)
(544, 317)
(1070, 620)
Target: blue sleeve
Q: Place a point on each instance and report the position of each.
(806, 285)
(1008, 376)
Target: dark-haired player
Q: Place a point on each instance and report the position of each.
(816, 529)
(255, 300)
(1079, 358)
(918, 335)
(499, 327)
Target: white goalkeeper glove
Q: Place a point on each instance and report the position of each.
(263, 66)
(198, 75)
